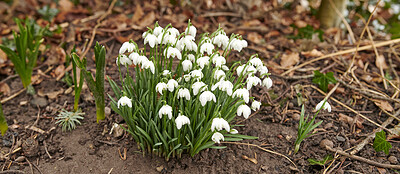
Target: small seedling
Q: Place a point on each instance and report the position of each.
(96, 86)
(323, 80)
(320, 162)
(27, 50)
(68, 120)
(3, 122)
(48, 13)
(78, 83)
(380, 143)
(305, 128)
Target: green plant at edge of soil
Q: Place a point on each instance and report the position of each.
(306, 127)
(323, 79)
(380, 143)
(77, 84)
(186, 106)
(27, 44)
(96, 86)
(3, 121)
(322, 162)
(68, 120)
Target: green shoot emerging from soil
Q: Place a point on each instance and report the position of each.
(68, 120)
(306, 127)
(27, 50)
(380, 143)
(3, 122)
(320, 162)
(78, 83)
(96, 86)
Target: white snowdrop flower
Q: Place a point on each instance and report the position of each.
(158, 31)
(124, 60)
(217, 137)
(253, 81)
(184, 93)
(220, 124)
(197, 86)
(223, 85)
(187, 43)
(145, 34)
(142, 59)
(160, 87)
(191, 57)
(207, 47)
(203, 61)
(234, 131)
(187, 65)
(244, 110)
(221, 40)
(191, 31)
(327, 106)
(151, 39)
(237, 44)
(244, 69)
(169, 39)
(243, 93)
(197, 74)
(173, 52)
(263, 70)
(187, 77)
(256, 62)
(207, 96)
(134, 57)
(166, 72)
(126, 46)
(225, 68)
(255, 105)
(219, 74)
(218, 61)
(173, 31)
(165, 110)
(181, 120)
(124, 101)
(267, 82)
(149, 65)
(172, 84)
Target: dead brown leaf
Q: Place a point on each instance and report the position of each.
(5, 89)
(59, 70)
(255, 37)
(54, 94)
(65, 5)
(273, 33)
(138, 14)
(384, 105)
(3, 57)
(350, 120)
(288, 60)
(394, 133)
(380, 62)
(36, 79)
(148, 20)
(312, 53)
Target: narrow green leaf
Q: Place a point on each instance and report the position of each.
(3, 122)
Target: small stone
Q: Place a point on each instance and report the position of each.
(328, 126)
(326, 142)
(392, 160)
(352, 141)
(296, 117)
(160, 168)
(340, 138)
(107, 111)
(118, 131)
(39, 101)
(291, 105)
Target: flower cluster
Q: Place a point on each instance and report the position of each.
(183, 95)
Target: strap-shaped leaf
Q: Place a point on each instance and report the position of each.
(3, 122)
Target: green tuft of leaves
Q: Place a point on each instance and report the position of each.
(68, 120)
(305, 128)
(320, 162)
(380, 143)
(307, 32)
(323, 80)
(48, 13)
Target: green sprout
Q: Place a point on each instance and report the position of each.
(77, 84)
(96, 86)
(3, 122)
(27, 50)
(68, 120)
(323, 80)
(305, 127)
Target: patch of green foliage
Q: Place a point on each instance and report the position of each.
(3, 122)
(380, 143)
(68, 120)
(307, 32)
(48, 13)
(323, 79)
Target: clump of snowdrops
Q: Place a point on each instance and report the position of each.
(178, 94)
